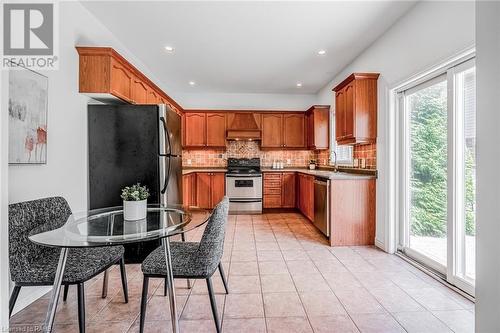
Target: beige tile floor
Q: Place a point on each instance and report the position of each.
(283, 277)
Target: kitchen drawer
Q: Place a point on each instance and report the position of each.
(272, 190)
(272, 176)
(272, 183)
(272, 201)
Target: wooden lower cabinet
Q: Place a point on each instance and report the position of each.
(288, 190)
(272, 190)
(279, 190)
(305, 195)
(352, 212)
(189, 190)
(218, 188)
(210, 189)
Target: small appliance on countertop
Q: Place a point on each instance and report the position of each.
(244, 185)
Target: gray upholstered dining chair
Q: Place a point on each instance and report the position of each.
(191, 260)
(35, 265)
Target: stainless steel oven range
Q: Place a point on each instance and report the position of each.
(244, 185)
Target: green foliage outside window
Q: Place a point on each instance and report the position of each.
(428, 158)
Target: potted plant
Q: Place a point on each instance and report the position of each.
(312, 164)
(135, 202)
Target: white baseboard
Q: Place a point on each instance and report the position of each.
(28, 295)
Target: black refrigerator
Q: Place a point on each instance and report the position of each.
(130, 144)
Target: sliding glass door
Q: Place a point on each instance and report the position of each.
(462, 272)
(438, 173)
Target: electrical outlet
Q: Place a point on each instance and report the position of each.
(355, 163)
(288, 161)
(189, 161)
(363, 163)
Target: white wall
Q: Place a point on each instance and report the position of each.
(213, 101)
(4, 250)
(488, 159)
(426, 35)
(65, 173)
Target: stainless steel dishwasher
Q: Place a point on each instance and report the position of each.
(322, 205)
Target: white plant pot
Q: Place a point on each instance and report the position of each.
(135, 210)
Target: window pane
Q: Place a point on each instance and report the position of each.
(427, 181)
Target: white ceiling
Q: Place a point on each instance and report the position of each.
(247, 47)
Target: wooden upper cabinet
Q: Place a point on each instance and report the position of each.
(272, 131)
(202, 130)
(339, 115)
(139, 91)
(318, 127)
(153, 97)
(356, 109)
(194, 129)
(216, 130)
(349, 111)
(121, 80)
(294, 131)
(105, 75)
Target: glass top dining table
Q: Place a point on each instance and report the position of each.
(107, 227)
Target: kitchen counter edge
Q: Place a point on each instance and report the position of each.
(317, 173)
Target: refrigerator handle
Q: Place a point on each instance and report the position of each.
(167, 178)
(165, 134)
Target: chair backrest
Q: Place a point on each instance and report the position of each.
(211, 245)
(32, 217)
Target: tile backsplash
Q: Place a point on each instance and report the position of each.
(247, 149)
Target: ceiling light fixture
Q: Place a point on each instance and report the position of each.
(169, 49)
(192, 83)
(299, 85)
(322, 52)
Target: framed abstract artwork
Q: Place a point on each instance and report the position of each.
(28, 99)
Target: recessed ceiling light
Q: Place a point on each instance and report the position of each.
(299, 84)
(169, 49)
(192, 83)
(322, 52)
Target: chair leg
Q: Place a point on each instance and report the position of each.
(223, 276)
(13, 298)
(144, 300)
(105, 279)
(213, 304)
(65, 294)
(81, 307)
(123, 273)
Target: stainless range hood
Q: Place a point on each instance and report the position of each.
(243, 126)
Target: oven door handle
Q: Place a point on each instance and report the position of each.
(245, 200)
(242, 176)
